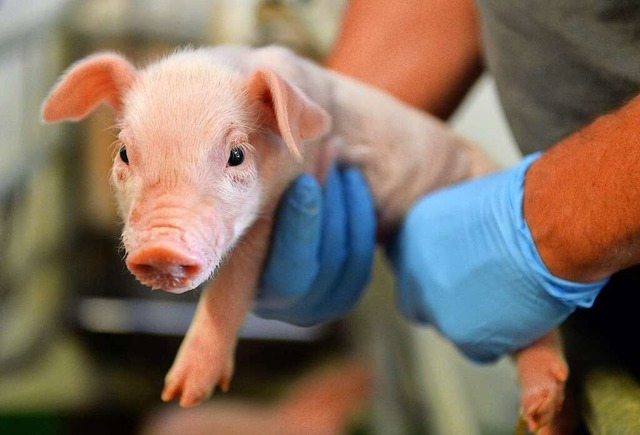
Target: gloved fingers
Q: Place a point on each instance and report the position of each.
(311, 309)
(335, 293)
(317, 265)
(361, 243)
(333, 245)
(345, 255)
(292, 265)
(331, 269)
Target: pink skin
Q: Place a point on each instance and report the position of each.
(542, 371)
(185, 209)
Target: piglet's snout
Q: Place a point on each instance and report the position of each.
(166, 265)
(171, 240)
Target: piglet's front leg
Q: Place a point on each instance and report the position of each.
(542, 371)
(206, 356)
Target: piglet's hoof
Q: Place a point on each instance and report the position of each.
(543, 373)
(541, 403)
(196, 372)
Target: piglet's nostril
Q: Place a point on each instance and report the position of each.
(163, 265)
(174, 270)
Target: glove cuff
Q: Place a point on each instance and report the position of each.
(571, 293)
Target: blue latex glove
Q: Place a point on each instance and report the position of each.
(322, 250)
(466, 263)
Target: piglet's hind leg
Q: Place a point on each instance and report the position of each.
(542, 371)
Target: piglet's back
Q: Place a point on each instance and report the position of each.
(403, 152)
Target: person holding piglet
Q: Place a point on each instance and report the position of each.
(495, 262)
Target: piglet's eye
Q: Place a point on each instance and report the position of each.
(123, 155)
(236, 157)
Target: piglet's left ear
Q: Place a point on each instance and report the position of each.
(286, 110)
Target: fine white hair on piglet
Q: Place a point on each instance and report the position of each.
(158, 104)
(211, 138)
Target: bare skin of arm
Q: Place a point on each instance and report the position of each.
(426, 53)
(581, 202)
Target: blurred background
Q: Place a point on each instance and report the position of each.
(84, 348)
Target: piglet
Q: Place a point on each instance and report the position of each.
(209, 140)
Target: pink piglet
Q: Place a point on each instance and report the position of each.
(209, 140)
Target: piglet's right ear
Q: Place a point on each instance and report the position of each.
(100, 78)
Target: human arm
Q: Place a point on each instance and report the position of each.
(580, 198)
(496, 262)
(426, 53)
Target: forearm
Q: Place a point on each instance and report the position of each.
(581, 202)
(426, 53)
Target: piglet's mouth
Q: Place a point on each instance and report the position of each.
(167, 266)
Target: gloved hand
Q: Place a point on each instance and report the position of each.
(321, 252)
(466, 263)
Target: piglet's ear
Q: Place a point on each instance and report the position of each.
(286, 110)
(100, 78)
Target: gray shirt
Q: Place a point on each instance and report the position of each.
(560, 63)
